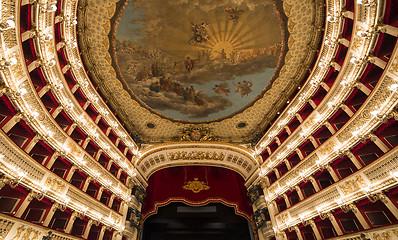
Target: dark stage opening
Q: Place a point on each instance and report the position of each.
(214, 221)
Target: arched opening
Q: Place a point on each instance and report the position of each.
(180, 221)
(196, 202)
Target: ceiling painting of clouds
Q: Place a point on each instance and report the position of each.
(191, 60)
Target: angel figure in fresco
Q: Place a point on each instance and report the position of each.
(233, 13)
(189, 63)
(199, 33)
(244, 88)
(221, 90)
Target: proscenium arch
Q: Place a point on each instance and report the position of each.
(224, 186)
(233, 157)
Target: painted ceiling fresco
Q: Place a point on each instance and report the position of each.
(196, 60)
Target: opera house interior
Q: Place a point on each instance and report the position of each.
(188, 119)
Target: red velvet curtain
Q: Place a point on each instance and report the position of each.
(209, 184)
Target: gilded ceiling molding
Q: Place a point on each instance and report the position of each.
(215, 154)
(306, 16)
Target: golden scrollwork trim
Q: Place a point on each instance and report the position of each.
(196, 155)
(196, 186)
(194, 145)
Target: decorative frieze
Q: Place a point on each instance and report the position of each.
(196, 155)
(223, 155)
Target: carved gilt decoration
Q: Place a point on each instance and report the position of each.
(353, 185)
(26, 234)
(260, 217)
(385, 235)
(253, 193)
(196, 155)
(5, 227)
(196, 186)
(196, 134)
(55, 185)
(139, 193)
(135, 218)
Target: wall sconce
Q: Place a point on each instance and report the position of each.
(15, 182)
(345, 207)
(64, 205)
(322, 215)
(304, 221)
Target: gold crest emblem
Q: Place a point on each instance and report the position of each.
(196, 134)
(196, 186)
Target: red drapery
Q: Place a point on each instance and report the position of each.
(225, 186)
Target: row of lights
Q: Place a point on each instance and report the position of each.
(71, 43)
(67, 151)
(344, 202)
(18, 177)
(19, 173)
(314, 81)
(375, 113)
(48, 134)
(356, 136)
(370, 191)
(303, 97)
(304, 134)
(32, 115)
(93, 98)
(320, 119)
(92, 95)
(94, 132)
